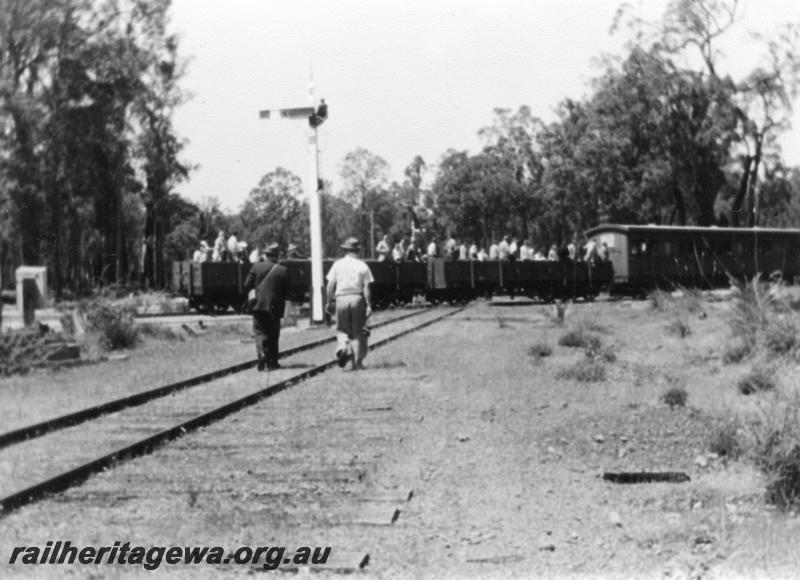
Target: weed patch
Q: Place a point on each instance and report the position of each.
(585, 371)
(680, 327)
(675, 397)
(115, 325)
(736, 352)
(540, 350)
(776, 450)
(579, 337)
(760, 378)
(725, 441)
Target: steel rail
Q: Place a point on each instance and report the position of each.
(145, 446)
(71, 419)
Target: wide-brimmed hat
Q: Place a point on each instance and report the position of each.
(272, 249)
(351, 245)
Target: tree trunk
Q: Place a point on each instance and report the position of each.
(680, 205)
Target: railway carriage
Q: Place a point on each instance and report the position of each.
(646, 257)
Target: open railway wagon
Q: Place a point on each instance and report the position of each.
(460, 281)
(219, 286)
(211, 286)
(646, 257)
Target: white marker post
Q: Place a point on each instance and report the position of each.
(313, 185)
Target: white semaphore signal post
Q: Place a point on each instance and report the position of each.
(315, 115)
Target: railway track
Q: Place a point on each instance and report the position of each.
(70, 419)
(95, 439)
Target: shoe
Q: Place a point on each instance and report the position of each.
(274, 367)
(262, 365)
(342, 356)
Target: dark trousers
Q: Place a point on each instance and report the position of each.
(267, 329)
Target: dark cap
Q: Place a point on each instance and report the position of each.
(272, 249)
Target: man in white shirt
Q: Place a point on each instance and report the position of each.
(233, 248)
(348, 287)
(432, 249)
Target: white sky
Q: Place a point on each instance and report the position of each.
(401, 77)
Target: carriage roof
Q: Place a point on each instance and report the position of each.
(690, 231)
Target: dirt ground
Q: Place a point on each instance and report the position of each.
(502, 454)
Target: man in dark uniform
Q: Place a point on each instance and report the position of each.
(270, 282)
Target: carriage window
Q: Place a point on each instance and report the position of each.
(638, 247)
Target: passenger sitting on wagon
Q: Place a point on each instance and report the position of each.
(233, 248)
(494, 251)
(413, 253)
(463, 252)
(526, 251)
(397, 252)
(602, 252)
(293, 253)
(564, 254)
(432, 249)
(450, 249)
(513, 248)
(503, 249)
(201, 254)
(590, 251)
(473, 251)
(243, 253)
(482, 255)
(552, 255)
(219, 248)
(382, 249)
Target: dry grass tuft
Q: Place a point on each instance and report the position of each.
(775, 437)
(585, 371)
(725, 441)
(675, 397)
(540, 350)
(680, 327)
(114, 325)
(760, 378)
(579, 337)
(736, 351)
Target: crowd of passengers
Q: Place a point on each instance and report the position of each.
(508, 249)
(230, 249)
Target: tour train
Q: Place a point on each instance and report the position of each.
(639, 258)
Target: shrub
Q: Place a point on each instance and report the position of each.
(579, 337)
(780, 336)
(540, 350)
(675, 397)
(595, 349)
(585, 371)
(776, 450)
(116, 325)
(736, 352)
(760, 378)
(680, 327)
(725, 441)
